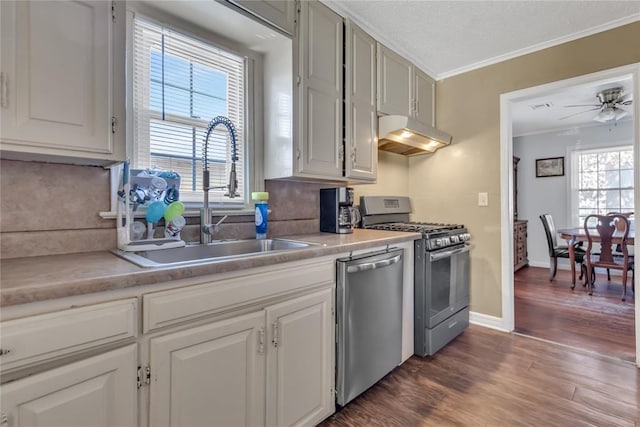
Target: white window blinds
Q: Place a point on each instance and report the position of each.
(179, 85)
(604, 181)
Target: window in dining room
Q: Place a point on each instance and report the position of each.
(602, 182)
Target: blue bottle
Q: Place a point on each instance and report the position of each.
(262, 210)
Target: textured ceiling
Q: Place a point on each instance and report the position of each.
(449, 37)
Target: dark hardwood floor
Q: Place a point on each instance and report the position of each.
(491, 378)
(601, 323)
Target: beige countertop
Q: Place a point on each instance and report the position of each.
(24, 280)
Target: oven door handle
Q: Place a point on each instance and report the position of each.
(446, 254)
(373, 265)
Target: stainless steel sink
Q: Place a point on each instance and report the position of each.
(197, 254)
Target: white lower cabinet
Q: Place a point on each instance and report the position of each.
(270, 367)
(96, 391)
(211, 375)
(300, 360)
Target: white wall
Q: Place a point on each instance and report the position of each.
(551, 195)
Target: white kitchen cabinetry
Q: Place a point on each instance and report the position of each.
(403, 89)
(96, 391)
(329, 74)
(229, 372)
(361, 120)
(210, 375)
(318, 92)
(253, 349)
(424, 98)
(63, 80)
(61, 368)
(279, 13)
(300, 360)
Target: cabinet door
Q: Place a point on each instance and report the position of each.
(395, 83)
(97, 391)
(280, 13)
(320, 56)
(57, 78)
(361, 119)
(300, 361)
(211, 375)
(425, 93)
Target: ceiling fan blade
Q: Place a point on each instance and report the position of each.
(581, 112)
(584, 105)
(624, 99)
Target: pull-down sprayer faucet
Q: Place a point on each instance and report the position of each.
(206, 229)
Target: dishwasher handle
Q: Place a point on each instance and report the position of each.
(373, 265)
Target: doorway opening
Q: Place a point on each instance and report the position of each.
(572, 129)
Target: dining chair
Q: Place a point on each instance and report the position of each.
(604, 229)
(619, 227)
(559, 251)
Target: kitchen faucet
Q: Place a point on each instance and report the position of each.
(206, 228)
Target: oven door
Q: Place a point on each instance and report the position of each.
(447, 274)
(446, 283)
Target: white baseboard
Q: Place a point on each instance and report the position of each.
(487, 321)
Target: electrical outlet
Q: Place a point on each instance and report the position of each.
(483, 199)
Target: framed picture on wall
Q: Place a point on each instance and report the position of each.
(553, 166)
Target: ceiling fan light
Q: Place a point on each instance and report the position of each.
(605, 115)
(620, 113)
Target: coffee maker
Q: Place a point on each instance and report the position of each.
(337, 214)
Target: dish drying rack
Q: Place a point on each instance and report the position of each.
(125, 214)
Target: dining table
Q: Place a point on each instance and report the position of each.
(577, 234)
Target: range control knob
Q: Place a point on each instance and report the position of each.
(456, 239)
(437, 243)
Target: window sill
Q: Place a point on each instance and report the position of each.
(189, 213)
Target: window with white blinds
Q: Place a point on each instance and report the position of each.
(602, 182)
(179, 85)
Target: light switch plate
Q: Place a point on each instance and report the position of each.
(483, 199)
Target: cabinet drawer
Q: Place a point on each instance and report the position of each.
(34, 339)
(166, 308)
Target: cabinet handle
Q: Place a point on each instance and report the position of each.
(4, 102)
(4, 420)
(4, 351)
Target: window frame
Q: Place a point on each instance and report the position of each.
(574, 182)
(254, 171)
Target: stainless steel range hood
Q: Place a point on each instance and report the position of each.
(404, 135)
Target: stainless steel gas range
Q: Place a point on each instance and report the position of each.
(441, 270)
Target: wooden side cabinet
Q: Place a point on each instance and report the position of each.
(520, 255)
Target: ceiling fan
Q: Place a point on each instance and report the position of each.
(612, 105)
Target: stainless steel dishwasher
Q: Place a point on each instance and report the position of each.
(369, 320)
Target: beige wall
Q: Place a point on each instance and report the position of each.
(445, 186)
(393, 177)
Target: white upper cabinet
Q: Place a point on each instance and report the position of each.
(424, 98)
(361, 120)
(319, 92)
(395, 83)
(403, 89)
(279, 13)
(62, 80)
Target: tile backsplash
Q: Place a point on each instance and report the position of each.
(48, 209)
